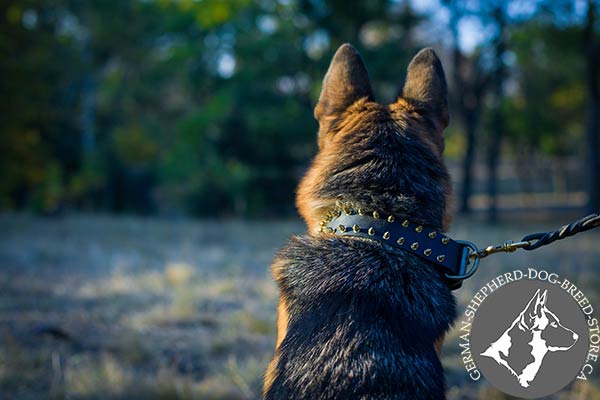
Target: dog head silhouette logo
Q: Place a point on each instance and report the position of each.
(529, 339)
(537, 323)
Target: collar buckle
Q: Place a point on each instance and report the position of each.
(469, 251)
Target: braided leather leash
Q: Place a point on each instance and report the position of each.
(581, 225)
(536, 240)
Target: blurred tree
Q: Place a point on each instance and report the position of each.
(470, 80)
(547, 105)
(592, 58)
(499, 18)
(37, 95)
(472, 76)
(525, 89)
(247, 136)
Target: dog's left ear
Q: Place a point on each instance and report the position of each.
(346, 82)
(426, 89)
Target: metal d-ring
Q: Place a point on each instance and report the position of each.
(464, 263)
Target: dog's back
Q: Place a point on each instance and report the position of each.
(358, 319)
(362, 323)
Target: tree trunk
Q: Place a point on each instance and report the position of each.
(468, 92)
(88, 115)
(470, 124)
(497, 119)
(88, 102)
(593, 108)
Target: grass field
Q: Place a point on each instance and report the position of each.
(104, 307)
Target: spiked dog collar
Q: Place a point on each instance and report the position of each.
(457, 260)
(450, 257)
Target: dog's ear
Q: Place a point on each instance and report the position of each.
(536, 306)
(346, 82)
(426, 89)
(529, 312)
(540, 303)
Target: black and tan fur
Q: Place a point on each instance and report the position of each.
(358, 319)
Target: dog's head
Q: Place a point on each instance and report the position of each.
(537, 317)
(379, 157)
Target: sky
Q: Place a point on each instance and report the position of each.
(471, 30)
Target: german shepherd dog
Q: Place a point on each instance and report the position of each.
(357, 318)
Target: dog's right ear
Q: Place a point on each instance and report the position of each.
(426, 89)
(346, 82)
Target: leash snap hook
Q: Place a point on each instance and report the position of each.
(507, 247)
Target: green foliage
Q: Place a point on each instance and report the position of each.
(48, 194)
(205, 107)
(87, 183)
(548, 111)
(34, 97)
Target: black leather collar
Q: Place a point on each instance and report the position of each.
(451, 257)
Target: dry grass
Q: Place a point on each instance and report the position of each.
(102, 307)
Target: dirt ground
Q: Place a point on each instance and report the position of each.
(96, 307)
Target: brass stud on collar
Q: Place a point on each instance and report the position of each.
(445, 240)
(371, 231)
(375, 214)
(361, 211)
(427, 252)
(419, 229)
(386, 235)
(405, 223)
(342, 228)
(355, 228)
(432, 235)
(414, 246)
(400, 240)
(329, 229)
(441, 258)
(347, 211)
(390, 218)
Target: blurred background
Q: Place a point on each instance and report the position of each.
(150, 149)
